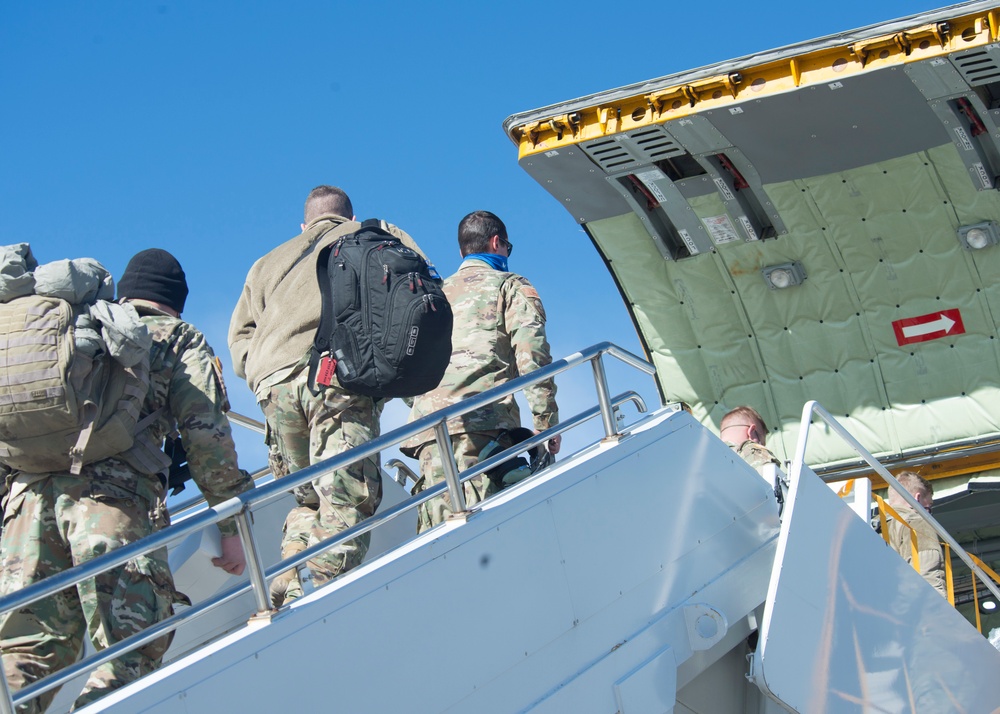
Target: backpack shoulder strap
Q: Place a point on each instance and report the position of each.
(322, 343)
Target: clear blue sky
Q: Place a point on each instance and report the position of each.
(199, 127)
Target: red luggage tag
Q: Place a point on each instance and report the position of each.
(327, 368)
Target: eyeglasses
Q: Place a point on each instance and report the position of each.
(510, 246)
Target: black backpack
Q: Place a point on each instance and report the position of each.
(385, 325)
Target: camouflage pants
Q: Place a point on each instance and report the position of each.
(306, 429)
(467, 448)
(52, 523)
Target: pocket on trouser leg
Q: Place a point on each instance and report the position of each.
(21, 536)
(275, 460)
(346, 500)
(12, 506)
(285, 586)
(159, 515)
(144, 595)
(305, 495)
(356, 488)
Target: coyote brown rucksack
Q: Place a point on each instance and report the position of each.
(385, 326)
(59, 408)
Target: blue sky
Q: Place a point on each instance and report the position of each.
(199, 127)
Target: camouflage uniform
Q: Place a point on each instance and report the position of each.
(755, 454)
(57, 520)
(499, 336)
(270, 334)
(306, 429)
(928, 545)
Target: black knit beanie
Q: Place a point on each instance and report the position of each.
(155, 275)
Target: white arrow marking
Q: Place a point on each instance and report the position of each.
(942, 324)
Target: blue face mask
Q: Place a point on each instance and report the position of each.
(497, 262)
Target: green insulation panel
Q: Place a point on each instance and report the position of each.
(864, 180)
(720, 337)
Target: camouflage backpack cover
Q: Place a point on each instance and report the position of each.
(65, 401)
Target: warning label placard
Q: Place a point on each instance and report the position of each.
(934, 326)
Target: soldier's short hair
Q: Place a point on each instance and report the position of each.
(747, 415)
(476, 229)
(914, 483)
(327, 199)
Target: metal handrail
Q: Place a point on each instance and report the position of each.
(402, 472)
(813, 408)
(246, 422)
(534, 440)
(437, 489)
(240, 508)
(179, 510)
(912, 458)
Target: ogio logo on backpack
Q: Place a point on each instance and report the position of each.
(411, 346)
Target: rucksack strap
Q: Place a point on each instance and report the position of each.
(89, 413)
(148, 419)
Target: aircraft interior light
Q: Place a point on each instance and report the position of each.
(988, 605)
(784, 275)
(979, 235)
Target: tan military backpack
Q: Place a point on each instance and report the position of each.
(59, 407)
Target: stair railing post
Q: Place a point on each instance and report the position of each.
(604, 397)
(6, 701)
(450, 468)
(261, 592)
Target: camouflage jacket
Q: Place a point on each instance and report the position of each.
(186, 385)
(276, 318)
(499, 335)
(755, 455)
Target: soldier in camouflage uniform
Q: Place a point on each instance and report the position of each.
(54, 521)
(744, 431)
(499, 335)
(271, 332)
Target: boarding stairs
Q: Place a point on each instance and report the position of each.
(650, 571)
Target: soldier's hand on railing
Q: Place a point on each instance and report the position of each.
(553, 444)
(233, 561)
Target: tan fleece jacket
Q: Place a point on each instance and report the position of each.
(277, 315)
